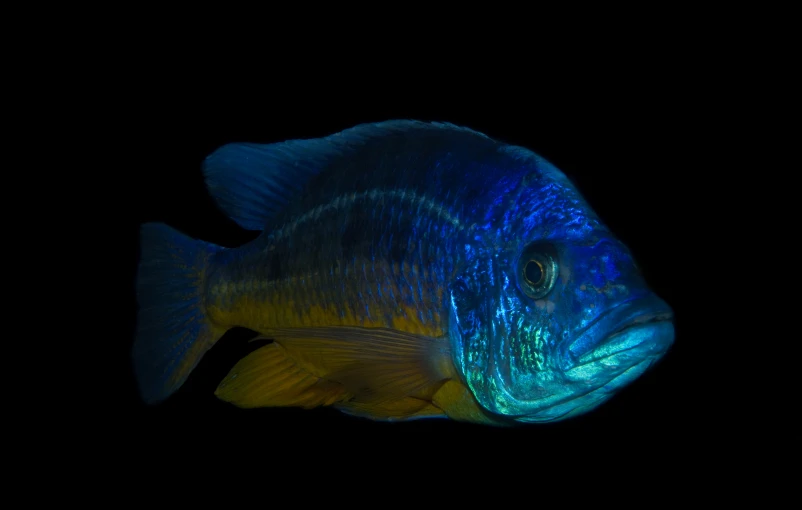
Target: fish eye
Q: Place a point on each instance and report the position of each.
(533, 272)
(537, 270)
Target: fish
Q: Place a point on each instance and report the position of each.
(403, 270)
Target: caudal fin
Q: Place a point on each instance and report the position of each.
(173, 331)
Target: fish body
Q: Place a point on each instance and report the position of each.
(404, 270)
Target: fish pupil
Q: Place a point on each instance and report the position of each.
(533, 272)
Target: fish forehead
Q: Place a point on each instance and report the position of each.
(548, 205)
(536, 202)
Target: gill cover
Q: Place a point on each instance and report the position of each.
(506, 322)
(480, 331)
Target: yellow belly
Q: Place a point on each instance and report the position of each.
(290, 373)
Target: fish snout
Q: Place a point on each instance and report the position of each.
(627, 335)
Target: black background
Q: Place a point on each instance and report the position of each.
(625, 143)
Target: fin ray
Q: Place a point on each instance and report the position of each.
(254, 382)
(252, 182)
(372, 372)
(373, 364)
(173, 331)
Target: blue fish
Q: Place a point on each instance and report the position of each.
(404, 270)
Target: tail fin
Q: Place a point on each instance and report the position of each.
(173, 332)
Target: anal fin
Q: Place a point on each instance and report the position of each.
(268, 377)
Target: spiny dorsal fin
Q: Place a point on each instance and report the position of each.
(252, 182)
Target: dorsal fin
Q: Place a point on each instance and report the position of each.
(252, 182)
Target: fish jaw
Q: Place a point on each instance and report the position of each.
(593, 370)
(610, 332)
(626, 348)
(612, 366)
(637, 330)
(585, 402)
(627, 333)
(623, 357)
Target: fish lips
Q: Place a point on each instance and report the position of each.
(623, 337)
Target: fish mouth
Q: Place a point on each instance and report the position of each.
(628, 334)
(585, 402)
(643, 319)
(607, 355)
(648, 337)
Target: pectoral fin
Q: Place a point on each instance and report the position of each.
(375, 365)
(456, 401)
(268, 377)
(378, 373)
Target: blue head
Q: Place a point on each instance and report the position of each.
(549, 315)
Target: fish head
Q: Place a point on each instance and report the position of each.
(552, 316)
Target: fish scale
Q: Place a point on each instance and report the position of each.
(301, 279)
(393, 274)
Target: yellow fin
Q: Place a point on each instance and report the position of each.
(268, 377)
(375, 365)
(407, 408)
(456, 400)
